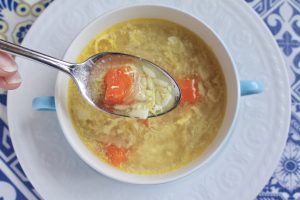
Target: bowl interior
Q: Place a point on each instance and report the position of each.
(147, 11)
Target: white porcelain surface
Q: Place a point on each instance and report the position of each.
(238, 172)
(161, 12)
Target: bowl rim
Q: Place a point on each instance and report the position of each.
(90, 163)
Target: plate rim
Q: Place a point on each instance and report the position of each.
(43, 15)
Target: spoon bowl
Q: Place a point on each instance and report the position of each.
(86, 72)
(84, 78)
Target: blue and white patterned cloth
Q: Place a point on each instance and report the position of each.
(282, 18)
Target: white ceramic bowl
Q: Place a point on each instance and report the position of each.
(179, 17)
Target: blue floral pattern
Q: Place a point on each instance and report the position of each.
(22, 15)
(10, 191)
(288, 170)
(287, 43)
(282, 17)
(10, 10)
(20, 31)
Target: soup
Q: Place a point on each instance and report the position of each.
(168, 142)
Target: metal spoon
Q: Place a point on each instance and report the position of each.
(81, 72)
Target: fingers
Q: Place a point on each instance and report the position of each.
(7, 65)
(10, 82)
(9, 76)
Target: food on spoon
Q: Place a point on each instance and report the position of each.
(134, 89)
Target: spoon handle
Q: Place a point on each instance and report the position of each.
(28, 53)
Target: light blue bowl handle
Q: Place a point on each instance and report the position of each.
(249, 87)
(44, 103)
(47, 103)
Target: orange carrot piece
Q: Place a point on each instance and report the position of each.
(189, 91)
(119, 83)
(115, 154)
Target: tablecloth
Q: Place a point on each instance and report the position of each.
(282, 17)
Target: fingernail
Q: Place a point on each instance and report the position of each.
(9, 68)
(7, 63)
(14, 79)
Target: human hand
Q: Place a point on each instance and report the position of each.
(9, 76)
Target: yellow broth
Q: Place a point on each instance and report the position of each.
(169, 141)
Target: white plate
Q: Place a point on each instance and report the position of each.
(238, 172)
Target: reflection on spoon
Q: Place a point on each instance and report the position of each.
(116, 83)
